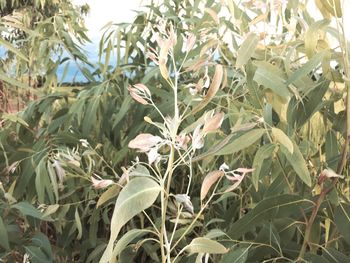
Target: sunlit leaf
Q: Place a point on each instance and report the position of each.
(139, 194)
(283, 139)
(206, 245)
(297, 161)
(246, 49)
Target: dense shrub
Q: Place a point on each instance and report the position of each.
(220, 134)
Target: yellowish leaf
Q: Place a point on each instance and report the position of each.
(283, 139)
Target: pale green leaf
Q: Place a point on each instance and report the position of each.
(206, 245)
(283, 139)
(263, 153)
(297, 161)
(139, 194)
(4, 239)
(127, 238)
(309, 66)
(247, 49)
(78, 224)
(13, 49)
(242, 142)
(272, 78)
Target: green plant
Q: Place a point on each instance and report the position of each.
(275, 100)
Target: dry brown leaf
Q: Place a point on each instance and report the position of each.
(144, 142)
(163, 58)
(213, 123)
(209, 180)
(213, 89)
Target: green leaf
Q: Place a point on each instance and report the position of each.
(242, 142)
(312, 36)
(272, 78)
(332, 149)
(299, 112)
(297, 161)
(205, 245)
(247, 49)
(4, 239)
(127, 238)
(36, 254)
(28, 210)
(139, 194)
(306, 68)
(14, 118)
(263, 153)
(342, 220)
(78, 224)
(12, 81)
(13, 49)
(283, 139)
(214, 233)
(269, 208)
(236, 255)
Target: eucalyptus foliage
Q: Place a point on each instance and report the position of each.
(220, 134)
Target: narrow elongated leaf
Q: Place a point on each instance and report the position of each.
(139, 194)
(297, 161)
(242, 142)
(126, 239)
(236, 255)
(312, 36)
(4, 239)
(263, 153)
(108, 194)
(266, 209)
(283, 139)
(206, 245)
(306, 68)
(163, 58)
(28, 210)
(272, 78)
(78, 224)
(209, 180)
(246, 50)
(342, 220)
(13, 49)
(14, 118)
(213, 89)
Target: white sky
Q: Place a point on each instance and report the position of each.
(104, 11)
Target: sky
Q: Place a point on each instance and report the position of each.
(104, 11)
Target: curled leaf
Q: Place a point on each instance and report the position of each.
(213, 123)
(213, 89)
(185, 200)
(140, 92)
(191, 40)
(163, 58)
(100, 183)
(197, 138)
(144, 142)
(153, 155)
(209, 180)
(61, 174)
(237, 178)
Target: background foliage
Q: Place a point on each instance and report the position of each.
(284, 94)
